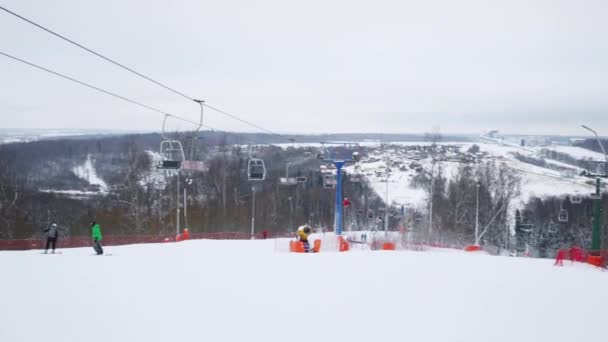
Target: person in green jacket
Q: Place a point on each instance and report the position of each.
(96, 233)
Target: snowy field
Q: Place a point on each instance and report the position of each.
(535, 180)
(245, 291)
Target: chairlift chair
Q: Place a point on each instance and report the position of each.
(288, 181)
(172, 154)
(562, 216)
(576, 199)
(329, 181)
(256, 170)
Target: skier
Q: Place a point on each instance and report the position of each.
(303, 234)
(96, 233)
(52, 233)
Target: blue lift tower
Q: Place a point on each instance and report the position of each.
(327, 157)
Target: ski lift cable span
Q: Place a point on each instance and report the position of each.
(165, 113)
(131, 70)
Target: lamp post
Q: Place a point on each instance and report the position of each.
(188, 182)
(253, 212)
(477, 216)
(431, 204)
(177, 210)
(386, 198)
(290, 213)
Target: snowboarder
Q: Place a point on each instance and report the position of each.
(96, 233)
(303, 234)
(52, 233)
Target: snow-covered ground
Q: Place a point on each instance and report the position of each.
(535, 180)
(578, 152)
(245, 291)
(20, 135)
(87, 172)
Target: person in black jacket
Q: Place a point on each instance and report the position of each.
(52, 233)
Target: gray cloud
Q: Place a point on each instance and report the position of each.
(318, 66)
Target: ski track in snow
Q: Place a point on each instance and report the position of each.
(244, 291)
(87, 172)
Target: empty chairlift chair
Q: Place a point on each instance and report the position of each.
(329, 181)
(576, 199)
(172, 154)
(562, 216)
(256, 170)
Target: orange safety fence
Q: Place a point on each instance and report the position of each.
(597, 258)
(389, 246)
(472, 248)
(344, 245)
(317, 246)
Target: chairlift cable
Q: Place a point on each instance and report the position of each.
(95, 53)
(104, 91)
(107, 59)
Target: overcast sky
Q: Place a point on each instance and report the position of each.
(529, 66)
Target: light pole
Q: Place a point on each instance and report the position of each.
(596, 234)
(386, 198)
(253, 212)
(188, 182)
(290, 213)
(477, 216)
(177, 211)
(431, 204)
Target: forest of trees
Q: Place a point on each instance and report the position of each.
(455, 199)
(143, 200)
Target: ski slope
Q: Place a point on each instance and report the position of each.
(210, 290)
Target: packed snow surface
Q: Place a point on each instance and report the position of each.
(245, 291)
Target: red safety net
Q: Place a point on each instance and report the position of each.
(594, 257)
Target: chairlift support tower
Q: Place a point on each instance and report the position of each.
(596, 234)
(339, 164)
